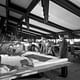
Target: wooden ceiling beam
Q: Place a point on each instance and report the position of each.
(38, 27)
(16, 7)
(12, 9)
(35, 31)
(32, 31)
(13, 19)
(27, 11)
(37, 18)
(30, 8)
(21, 32)
(29, 33)
(49, 23)
(66, 4)
(42, 34)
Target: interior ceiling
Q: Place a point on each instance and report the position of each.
(35, 29)
(12, 22)
(76, 2)
(22, 3)
(2, 11)
(14, 14)
(61, 19)
(59, 15)
(3, 2)
(44, 26)
(39, 30)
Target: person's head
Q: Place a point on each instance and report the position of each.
(61, 37)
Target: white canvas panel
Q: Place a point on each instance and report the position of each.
(41, 31)
(59, 15)
(44, 26)
(63, 17)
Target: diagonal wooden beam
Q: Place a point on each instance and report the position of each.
(33, 31)
(49, 23)
(11, 25)
(14, 6)
(38, 35)
(66, 4)
(31, 25)
(12, 9)
(28, 34)
(11, 18)
(28, 10)
(25, 11)
(32, 16)
(38, 27)
(14, 19)
(37, 18)
(30, 30)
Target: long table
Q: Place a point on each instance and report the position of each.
(39, 66)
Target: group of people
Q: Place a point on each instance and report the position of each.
(46, 47)
(9, 36)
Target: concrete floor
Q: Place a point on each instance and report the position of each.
(73, 71)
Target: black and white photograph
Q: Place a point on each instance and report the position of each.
(39, 39)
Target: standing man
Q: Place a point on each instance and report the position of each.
(63, 53)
